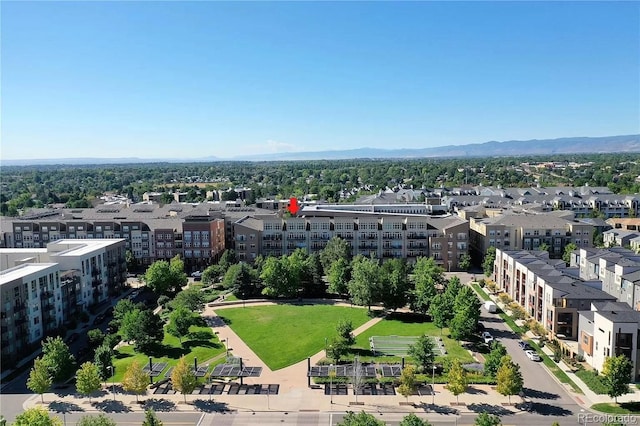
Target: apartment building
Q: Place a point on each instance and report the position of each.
(379, 235)
(42, 288)
(513, 230)
(203, 240)
(547, 289)
(610, 329)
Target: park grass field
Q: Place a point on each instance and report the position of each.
(282, 335)
(201, 344)
(411, 325)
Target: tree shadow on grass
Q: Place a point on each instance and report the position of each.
(159, 405)
(111, 406)
(489, 408)
(120, 355)
(159, 351)
(188, 345)
(200, 335)
(633, 406)
(209, 406)
(64, 407)
(409, 317)
(360, 352)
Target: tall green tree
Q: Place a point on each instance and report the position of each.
(617, 375)
(568, 249)
(408, 383)
(365, 281)
(489, 259)
(395, 287)
(440, 311)
(423, 351)
(486, 419)
(427, 275)
(99, 420)
(457, 379)
(121, 309)
(339, 275)
(88, 379)
(241, 280)
(313, 284)
(183, 379)
(102, 360)
(282, 276)
(413, 420)
(151, 419)
(191, 299)
(58, 359)
(345, 331)
(337, 348)
(179, 322)
(135, 380)
(493, 359)
(166, 277)
(36, 416)
(336, 249)
(467, 314)
(39, 380)
(509, 378)
(142, 328)
(465, 262)
(360, 419)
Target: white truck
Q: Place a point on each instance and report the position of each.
(490, 306)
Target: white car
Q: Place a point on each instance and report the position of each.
(197, 274)
(532, 355)
(487, 337)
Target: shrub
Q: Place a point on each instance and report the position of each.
(163, 300)
(504, 298)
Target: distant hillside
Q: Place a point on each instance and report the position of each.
(609, 144)
(583, 145)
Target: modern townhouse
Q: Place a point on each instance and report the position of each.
(610, 329)
(42, 288)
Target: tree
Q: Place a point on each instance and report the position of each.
(508, 378)
(99, 420)
(312, 282)
(150, 419)
(135, 379)
(336, 249)
(179, 322)
(58, 359)
(227, 259)
(121, 309)
(617, 375)
(88, 379)
(96, 336)
(337, 348)
(165, 277)
(427, 275)
(36, 416)
(339, 275)
(440, 312)
(486, 419)
(364, 284)
(143, 328)
(360, 419)
(467, 314)
(191, 299)
(102, 360)
(183, 379)
(39, 380)
(489, 259)
(282, 276)
(394, 288)
(212, 273)
(413, 420)
(457, 379)
(568, 249)
(345, 331)
(408, 383)
(493, 359)
(543, 247)
(240, 279)
(465, 262)
(423, 352)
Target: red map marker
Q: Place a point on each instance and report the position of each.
(293, 205)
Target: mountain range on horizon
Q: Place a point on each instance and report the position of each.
(571, 145)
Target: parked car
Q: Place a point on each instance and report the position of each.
(99, 319)
(487, 337)
(197, 274)
(532, 355)
(524, 345)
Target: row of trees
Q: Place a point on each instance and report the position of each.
(366, 419)
(41, 417)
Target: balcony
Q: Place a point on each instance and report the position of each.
(415, 236)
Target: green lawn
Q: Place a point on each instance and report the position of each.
(593, 380)
(282, 335)
(201, 344)
(409, 325)
(621, 408)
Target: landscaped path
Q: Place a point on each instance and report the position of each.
(289, 378)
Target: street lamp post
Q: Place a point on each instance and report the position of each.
(331, 382)
(113, 382)
(433, 385)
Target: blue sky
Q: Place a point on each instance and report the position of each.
(196, 79)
